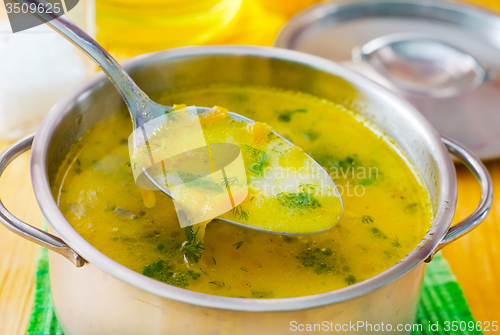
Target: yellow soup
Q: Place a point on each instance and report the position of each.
(386, 206)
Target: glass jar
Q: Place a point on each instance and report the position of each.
(37, 67)
(128, 28)
(131, 27)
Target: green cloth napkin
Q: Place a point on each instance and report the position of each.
(43, 319)
(442, 300)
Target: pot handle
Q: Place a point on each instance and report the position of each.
(23, 229)
(483, 177)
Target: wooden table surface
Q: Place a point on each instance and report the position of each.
(474, 258)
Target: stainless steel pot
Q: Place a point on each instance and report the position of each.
(95, 295)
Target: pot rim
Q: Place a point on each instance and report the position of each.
(441, 223)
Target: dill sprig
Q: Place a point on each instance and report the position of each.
(239, 213)
(396, 242)
(230, 181)
(191, 247)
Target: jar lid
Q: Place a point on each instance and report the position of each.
(442, 56)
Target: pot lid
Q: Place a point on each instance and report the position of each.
(442, 56)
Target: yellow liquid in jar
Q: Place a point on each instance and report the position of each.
(131, 27)
(127, 28)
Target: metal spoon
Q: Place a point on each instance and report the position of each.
(142, 109)
(422, 64)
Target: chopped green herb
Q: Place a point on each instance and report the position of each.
(192, 248)
(203, 272)
(163, 272)
(254, 158)
(289, 239)
(153, 269)
(215, 263)
(286, 115)
(396, 242)
(321, 263)
(332, 162)
(378, 233)
(238, 244)
(350, 279)
(366, 219)
(78, 162)
(244, 269)
(217, 283)
(412, 207)
(366, 182)
(300, 201)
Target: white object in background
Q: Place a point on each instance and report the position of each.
(37, 67)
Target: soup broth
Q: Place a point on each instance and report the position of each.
(386, 206)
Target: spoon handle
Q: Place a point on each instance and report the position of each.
(137, 101)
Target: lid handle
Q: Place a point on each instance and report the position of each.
(423, 64)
